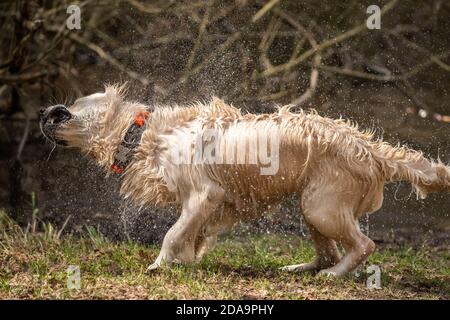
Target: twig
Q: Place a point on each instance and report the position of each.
(24, 139)
(20, 78)
(267, 40)
(386, 78)
(276, 95)
(60, 36)
(356, 73)
(441, 64)
(418, 68)
(145, 7)
(198, 41)
(266, 8)
(107, 57)
(223, 47)
(433, 58)
(135, 25)
(58, 234)
(314, 77)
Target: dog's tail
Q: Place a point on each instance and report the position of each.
(403, 164)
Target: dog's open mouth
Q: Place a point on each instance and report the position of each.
(51, 119)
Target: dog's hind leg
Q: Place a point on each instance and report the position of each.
(357, 248)
(332, 210)
(327, 254)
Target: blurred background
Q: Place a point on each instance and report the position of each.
(253, 54)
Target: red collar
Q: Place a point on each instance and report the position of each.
(125, 150)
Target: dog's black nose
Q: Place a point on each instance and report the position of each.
(55, 114)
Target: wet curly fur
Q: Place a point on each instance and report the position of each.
(338, 172)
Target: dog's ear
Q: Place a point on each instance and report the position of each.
(87, 101)
(116, 90)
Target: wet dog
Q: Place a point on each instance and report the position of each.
(222, 167)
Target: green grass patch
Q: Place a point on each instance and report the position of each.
(33, 266)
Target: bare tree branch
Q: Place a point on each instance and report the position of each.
(266, 8)
(326, 44)
(387, 78)
(22, 78)
(314, 77)
(198, 41)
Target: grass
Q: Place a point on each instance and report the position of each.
(33, 265)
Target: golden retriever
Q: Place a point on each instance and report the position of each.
(222, 167)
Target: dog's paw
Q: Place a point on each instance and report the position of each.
(300, 267)
(327, 273)
(152, 268)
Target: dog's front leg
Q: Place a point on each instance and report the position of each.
(204, 245)
(179, 242)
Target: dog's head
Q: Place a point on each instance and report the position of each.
(56, 120)
(91, 123)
